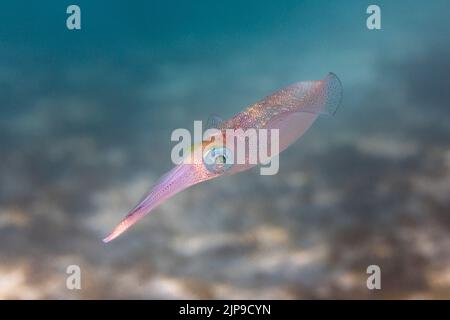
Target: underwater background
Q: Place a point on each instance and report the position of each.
(85, 124)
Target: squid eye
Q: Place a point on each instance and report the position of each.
(218, 159)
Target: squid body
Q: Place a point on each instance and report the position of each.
(291, 110)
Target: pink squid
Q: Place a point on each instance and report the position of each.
(291, 111)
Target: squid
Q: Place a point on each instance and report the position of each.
(291, 110)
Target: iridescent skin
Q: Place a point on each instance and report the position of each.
(291, 110)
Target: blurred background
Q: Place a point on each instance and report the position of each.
(85, 124)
